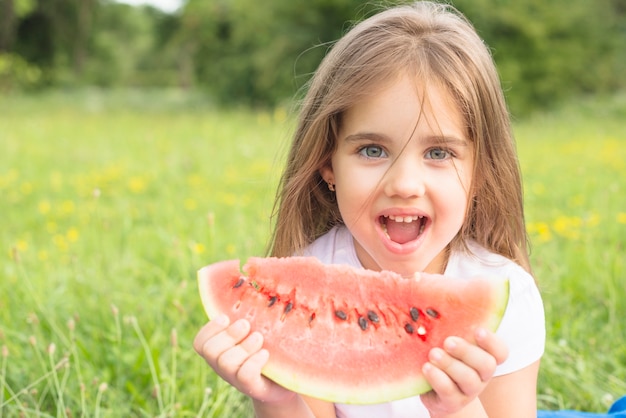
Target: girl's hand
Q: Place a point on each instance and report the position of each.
(236, 355)
(460, 371)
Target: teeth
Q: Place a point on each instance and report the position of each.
(407, 219)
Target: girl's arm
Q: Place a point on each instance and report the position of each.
(513, 395)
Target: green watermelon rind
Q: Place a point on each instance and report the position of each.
(362, 394)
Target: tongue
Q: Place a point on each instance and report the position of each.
(402, 232)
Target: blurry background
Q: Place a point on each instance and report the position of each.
(259, 53)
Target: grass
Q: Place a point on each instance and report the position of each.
(110, 202)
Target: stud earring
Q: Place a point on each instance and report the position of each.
(331, 186)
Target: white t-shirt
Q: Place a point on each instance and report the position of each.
(522, 327)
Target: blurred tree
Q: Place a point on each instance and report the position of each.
(261, 53)
(548, 51)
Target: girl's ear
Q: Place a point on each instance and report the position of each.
(327, 174)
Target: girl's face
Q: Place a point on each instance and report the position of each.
(403, 171)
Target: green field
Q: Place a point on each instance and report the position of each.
(111, 202)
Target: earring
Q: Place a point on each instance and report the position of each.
(331, 186)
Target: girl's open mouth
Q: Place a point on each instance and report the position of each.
(403, 229)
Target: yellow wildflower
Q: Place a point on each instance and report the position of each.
(44, 206)
(137, 184)
(72, 235)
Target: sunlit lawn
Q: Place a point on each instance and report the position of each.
(110, 202)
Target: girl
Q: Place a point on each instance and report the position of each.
(404, 160)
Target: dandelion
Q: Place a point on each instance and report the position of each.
(56, 180)
(231, 249)
(228, 199)
(568, 226)
(44, 206)
(197, 248)
(538, 189)
(42, 255)
(195, 180)
(72, 234)
(541, 230)
(280, 114)
(621, 218)
(26, 188)
(137, 184)
(190, 204)
(21, 245)
(67, 207)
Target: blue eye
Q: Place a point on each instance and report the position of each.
(372, 151)
(437, 154)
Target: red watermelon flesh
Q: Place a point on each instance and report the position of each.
(344, 334)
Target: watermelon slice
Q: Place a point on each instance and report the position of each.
(344, 334)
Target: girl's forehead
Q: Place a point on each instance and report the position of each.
(403, 108)
(406, 94)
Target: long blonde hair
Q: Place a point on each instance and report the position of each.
(437, 44)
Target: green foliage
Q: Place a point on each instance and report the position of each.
(112, 201)
(262, 53)
(551, 51)
(17, 75)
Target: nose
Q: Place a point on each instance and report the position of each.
(406, 178)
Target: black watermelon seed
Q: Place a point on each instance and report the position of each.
(239, 283)
(415, 313)
(409, 328)
(341, 315)
(432, 313)
(273, 300)
(373, 316)
(288, 307)
(363, 323)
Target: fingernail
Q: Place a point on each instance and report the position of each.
(255, 337)
(481, 333)
(450, 343)
(436, 355)
(221, 320)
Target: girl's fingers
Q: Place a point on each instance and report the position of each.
(211, 348)
(209, 330)
(455, 374)
(492, 344)
(465, 362)
(231, 360)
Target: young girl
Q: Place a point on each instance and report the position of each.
(404, 160)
